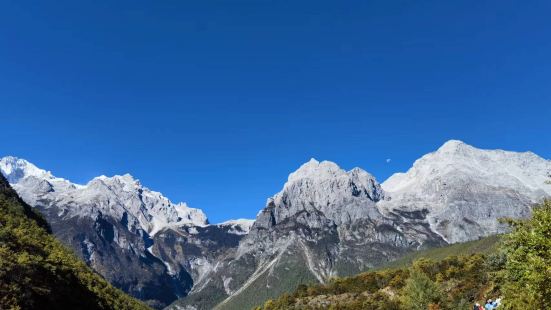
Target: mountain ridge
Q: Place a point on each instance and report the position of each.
(325, 221)
(12, 168)
(16, 169)
(324, 216)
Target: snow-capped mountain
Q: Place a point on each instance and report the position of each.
(325, 222)
(115, 195)
(121, 229)
(464, 189)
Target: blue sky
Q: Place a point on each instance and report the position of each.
(216, 102)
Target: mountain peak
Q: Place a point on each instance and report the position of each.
(313, 161)
(127, 179)
(325, 187)
(16, 169)
(455, 158)
(453, 146)
(124, 182)
(316, 169)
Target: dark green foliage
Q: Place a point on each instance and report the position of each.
(527, 271)
(420, 291)
(16, 206)
(446, 284)
(484, 246)
(289, 274)
(38, 272)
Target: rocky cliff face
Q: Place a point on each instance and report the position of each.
(136, 238)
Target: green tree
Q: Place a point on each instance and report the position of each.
(528, 266)
(420, 292)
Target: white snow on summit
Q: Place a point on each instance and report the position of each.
(238, 226)
(16, 169)
(496, 167)
(120, 196)
(466, 190)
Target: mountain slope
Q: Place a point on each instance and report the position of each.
(330, 222)
(323, 223)
(37, 272)
(464, 190)
(512, 266)
(136, 238)
(455, 277)
(485, 246)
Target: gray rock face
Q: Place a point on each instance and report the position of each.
(341, 196)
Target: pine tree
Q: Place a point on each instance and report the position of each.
(420, 292)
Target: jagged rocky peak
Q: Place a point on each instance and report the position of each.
(129, 192)
(316, 177)
(125, 180)
(161, 213)
(325, 187)
(118, 196)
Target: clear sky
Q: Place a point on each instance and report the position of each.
(216, 102)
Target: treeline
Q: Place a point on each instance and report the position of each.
(519, 270)
(38, 272)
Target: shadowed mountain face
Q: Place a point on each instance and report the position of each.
(38, 272)
(325, 222)
(120, 255)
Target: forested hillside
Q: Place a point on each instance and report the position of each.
(38, 272)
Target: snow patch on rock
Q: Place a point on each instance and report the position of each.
(238, 227)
